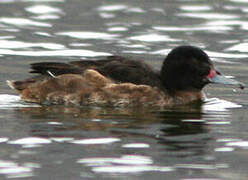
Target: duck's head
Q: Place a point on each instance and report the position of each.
(189, 68)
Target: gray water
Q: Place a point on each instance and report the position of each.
(68, 143)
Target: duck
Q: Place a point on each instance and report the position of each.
(121, 81)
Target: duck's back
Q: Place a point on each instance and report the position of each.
(117, 68)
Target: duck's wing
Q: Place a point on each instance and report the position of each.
(56, 68)
(117, 68)
(74, 67)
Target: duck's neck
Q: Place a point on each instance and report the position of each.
(185, 97)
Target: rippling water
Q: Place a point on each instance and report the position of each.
(188, 143)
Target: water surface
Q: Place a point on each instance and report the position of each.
(189, 142)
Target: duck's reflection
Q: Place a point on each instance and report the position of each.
(181, 131)
(111, 119)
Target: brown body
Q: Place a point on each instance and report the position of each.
(92, 88)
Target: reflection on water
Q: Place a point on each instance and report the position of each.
(8, 44)
(89, 35)
(13, 170)
(89, 126)
(67, 52)
(28, 141)
(23, 22)
(187, 142)
(42, 9)
(178, 132)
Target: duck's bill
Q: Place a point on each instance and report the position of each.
(220, 79)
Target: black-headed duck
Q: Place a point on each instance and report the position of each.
(119, 81)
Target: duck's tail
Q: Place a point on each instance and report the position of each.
(19, 85)
(11, 84)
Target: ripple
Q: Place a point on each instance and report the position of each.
(225, 55)
(134, 46)
(196, 8)
(127, 159)
(43, 34)
(240, 1)
(18, 44)
(80, 44)
(153, 38)
(7, 1)
(110, 8)
(242, 144)
(12, 101)
(96, 141)
(116, 29)
(134, 52)
(202, 166)
(131, 169)
(227, 140)
(242, 47)
(7, 98)
(161, 52)
(42, 9)
(136, 10)
(62, 139)
(107, 15)
(244, 10)
(66, 52)
(7, 164)
(3, 139)
(13, 170)
(215, 104)
(210, 53)
(124, 164)
(89, 35)
(47, 16)
(7, 37)
(136, 145)
(218, 122)
(30, 141)
(23, 22)
(210, 16)
(194, 28)
(224, 149)
(220, 23)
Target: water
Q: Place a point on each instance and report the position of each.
(187, 143)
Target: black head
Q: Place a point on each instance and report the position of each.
(186, 68)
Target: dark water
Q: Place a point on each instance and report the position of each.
(66, 143)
